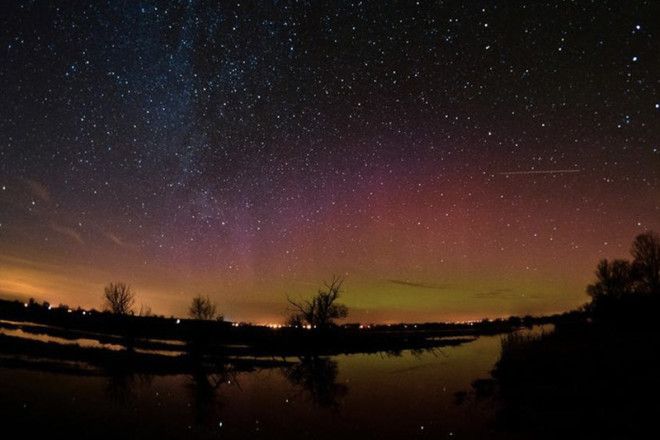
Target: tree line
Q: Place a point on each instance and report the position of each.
(622, 283)
(319, 312)
(119, 299)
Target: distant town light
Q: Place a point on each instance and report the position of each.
(178, 321)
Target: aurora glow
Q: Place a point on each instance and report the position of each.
(249, 152)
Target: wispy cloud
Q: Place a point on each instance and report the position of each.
(118, 241)
(26, 277)
(420, 285)
(69, 232)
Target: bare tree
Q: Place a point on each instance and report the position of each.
(118, 298)
(322, 309)
(202, 308)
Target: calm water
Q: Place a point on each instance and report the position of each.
(354, 396)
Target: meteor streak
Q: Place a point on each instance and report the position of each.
(509, 173)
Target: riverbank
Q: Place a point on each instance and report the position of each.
(590, 379)
(176, 336)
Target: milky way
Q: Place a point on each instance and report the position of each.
(452, 159)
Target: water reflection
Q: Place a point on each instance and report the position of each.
(317, 376)
(122, 385)
(203, 386)
(352, 396)
(43, 337)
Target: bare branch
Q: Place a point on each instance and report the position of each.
(321, 310)
(118, 298)
(202, 308)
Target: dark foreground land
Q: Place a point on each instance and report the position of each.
(82, 342)
(596, 375)
(589, 378)
(591, 374)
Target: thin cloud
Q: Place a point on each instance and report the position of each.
(71, 233)
(55, 282)
(420, 285)
(118, 241)
(494, 293)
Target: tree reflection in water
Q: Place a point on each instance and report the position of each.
(203, 385)
(317, 376)
(122, 384)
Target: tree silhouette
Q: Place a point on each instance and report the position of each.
(626, 292)
(202, 308)
(118, 298)
(295, 320)
(321, 310)
(646, 264)
(613, 280)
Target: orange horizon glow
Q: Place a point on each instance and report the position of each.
(422, 257)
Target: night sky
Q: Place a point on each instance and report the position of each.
(453, 160)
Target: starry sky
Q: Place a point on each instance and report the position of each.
(453, 160)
